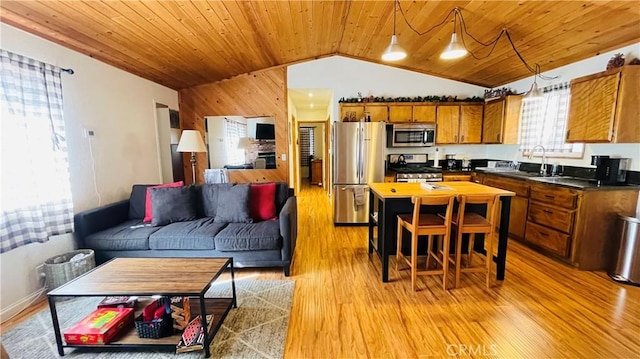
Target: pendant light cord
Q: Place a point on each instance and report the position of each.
(535, 69)
(396, 4)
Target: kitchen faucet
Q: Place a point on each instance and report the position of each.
(543, 165)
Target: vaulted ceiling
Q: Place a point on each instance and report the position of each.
(185, 43)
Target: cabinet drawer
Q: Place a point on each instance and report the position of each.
(558, 196)
(558, 218)
(521, 188)
(451, 178)
(549, 239)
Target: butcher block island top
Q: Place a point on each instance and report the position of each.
(408, 189)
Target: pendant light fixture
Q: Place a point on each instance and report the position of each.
(394, 52)
(534, 93)
(454, 50)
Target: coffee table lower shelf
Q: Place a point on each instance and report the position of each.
(219, 307)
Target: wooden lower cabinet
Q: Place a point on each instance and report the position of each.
(577, 226)
(451, 178)
(519, 203)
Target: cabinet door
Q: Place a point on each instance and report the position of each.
(470, 124)
(492, 127)
(379, 113)
(424, 113)
(447, 124)
(398, 113)
(518, 216)
(592, 109)
(351, 112)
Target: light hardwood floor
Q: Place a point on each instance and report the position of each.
(543, 309)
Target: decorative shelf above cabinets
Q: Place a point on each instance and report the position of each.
(605, 107)
(502, 120)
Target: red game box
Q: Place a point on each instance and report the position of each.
(100, 326)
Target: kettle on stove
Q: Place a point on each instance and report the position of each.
(402, 161)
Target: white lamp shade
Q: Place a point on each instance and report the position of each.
(454, 50)
(191, 141)
(244, 143)
(394, 52)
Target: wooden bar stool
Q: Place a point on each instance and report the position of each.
(465, 222)
(427, 225)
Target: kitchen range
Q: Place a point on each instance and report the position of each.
(413, 168)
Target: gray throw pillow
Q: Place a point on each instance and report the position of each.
(233, 204)
(172, 204)
(209, 194)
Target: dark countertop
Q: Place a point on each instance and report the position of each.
(571, 182)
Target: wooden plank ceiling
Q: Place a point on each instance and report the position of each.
(186, 43)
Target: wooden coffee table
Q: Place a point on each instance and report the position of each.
(146, 277)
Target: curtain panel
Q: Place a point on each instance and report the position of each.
(35, 201)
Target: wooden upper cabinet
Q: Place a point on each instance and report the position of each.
(400, 113)
(424, 113)
(378, 113)
(470, 124)
(348, 109)
(447, 124)
(605, 107)
(502, 120)
(459, 124)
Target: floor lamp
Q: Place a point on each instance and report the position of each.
(191, 141)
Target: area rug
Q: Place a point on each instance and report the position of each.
(256, 329)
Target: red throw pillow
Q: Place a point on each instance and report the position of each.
(263, 201)
(147, 204)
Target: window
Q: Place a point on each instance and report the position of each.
(34, 178)
(307, 145)
(235, 131)
(544, 122)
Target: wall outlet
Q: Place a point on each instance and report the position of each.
(86, 133)
(283, 156)
(41, 275)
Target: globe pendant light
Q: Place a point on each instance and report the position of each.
(394, 52)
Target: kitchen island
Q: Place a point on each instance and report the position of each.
(387, 200)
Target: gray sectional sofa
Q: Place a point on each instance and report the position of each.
(117, 230)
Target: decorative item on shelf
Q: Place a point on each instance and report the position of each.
(616, 61)
(635, 61)
(497, 93)
(444, 98)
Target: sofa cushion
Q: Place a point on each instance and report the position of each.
(172, 204)
(282, 194)
(209, 197)
(263, 201)
(148, 213)
(249, 236)
(196, 234)
(233, 204)
(137, 200)
(130, 235)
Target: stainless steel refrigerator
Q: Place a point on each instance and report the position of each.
(358, 159)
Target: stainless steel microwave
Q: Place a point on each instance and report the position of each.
(411, 135)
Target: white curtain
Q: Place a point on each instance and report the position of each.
(234, 131)
(35, 200)
(544, 122)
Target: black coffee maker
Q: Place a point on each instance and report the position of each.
(610, 171)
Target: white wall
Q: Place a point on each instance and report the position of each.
(566, 74)
(346, 77)
(120, 108)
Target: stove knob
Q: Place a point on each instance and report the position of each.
(409, 176)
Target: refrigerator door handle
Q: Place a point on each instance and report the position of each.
(361, 154)
(358, 154)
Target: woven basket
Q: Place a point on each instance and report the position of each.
(155, 330)
(59, 269)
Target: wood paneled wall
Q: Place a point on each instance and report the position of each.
(256, 94)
